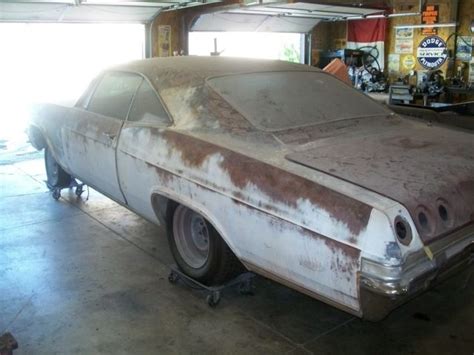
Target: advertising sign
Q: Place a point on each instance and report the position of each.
(404, 40)
(464, 48)
(409, 62)
(164, 40)
(432, 52)
(430, 16)
(394, 63)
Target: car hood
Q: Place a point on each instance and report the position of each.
(428, 169)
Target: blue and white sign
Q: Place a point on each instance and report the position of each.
(432, 52)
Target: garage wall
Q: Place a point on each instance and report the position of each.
(447, 13)
(331, 36)
(179, 22)
(327, 36)
(466, 15)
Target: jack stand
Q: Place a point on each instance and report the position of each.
(56, 191)
(244, 282)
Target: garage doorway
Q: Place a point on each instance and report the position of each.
(54, 63)
(263, 45)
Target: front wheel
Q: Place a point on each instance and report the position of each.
(56, 176)
(198, 249)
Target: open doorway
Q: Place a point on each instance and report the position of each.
(54, 63)
(264, 45)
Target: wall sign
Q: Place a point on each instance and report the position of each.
(432, 52)
(404, 40)
(464, 48)
(164, 41)
(430, 16)
(394, 63)
(409, 62)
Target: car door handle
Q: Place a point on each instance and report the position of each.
(110, 136)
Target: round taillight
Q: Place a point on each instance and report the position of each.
(403, 230)
(424, 220)
(445, 212)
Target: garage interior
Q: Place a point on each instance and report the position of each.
(83, 274)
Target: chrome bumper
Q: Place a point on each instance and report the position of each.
(383, 288)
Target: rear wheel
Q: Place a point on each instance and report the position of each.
(56, 176)
(198, 249)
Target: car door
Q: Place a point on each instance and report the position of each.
(92, 136)
(136, 153)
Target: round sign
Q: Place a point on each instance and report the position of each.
(409, 62)
(432, 52)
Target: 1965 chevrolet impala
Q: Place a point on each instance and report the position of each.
(275, 166)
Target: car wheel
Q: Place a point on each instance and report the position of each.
(198, 249)
(56, 176)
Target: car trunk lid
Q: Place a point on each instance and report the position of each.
(428, 169)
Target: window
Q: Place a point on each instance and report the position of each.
(281, 100)
(114, 94)
(86, 96)
(147, 107)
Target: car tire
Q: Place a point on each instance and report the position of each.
(198, 249)
(56, 176)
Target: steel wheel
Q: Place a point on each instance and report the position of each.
(197, 248)
(191, 236)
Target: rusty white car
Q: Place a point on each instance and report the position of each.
(277, 167)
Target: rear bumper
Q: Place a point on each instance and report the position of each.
(381, 292)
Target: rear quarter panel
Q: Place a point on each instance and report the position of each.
(51, 120)
(283, 226)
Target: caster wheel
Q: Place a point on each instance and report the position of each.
(173, 278)
(56, 194)
(245, 288)
(213, 299)
(79, 190)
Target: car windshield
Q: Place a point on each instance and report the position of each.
(275, 101)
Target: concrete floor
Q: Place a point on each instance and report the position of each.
(90, 277)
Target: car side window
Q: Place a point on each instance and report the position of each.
(86, 96)
(147, 107)
(113, 95)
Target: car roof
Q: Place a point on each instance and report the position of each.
(192, 71)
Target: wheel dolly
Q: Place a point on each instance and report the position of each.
(7, 344)
(244, 283)
(56, 190)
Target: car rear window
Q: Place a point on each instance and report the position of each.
(275, 101)
(147, 107)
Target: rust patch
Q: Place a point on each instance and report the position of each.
(193, 152)
(280, 185)
(310, 264)
(345, 260)
(351, 252)
(165, 176)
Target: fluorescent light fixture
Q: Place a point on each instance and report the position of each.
(436, 25)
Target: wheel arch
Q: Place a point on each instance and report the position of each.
(162, 201)
(37, 137)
